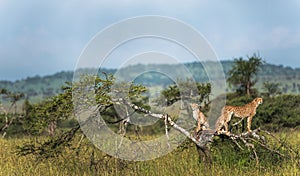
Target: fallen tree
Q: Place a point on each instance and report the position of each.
(246, 140)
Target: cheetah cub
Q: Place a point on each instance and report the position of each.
(200, 118)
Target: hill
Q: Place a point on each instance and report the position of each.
(38, 88)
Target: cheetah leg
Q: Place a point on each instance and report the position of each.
(199, 126)
(218, 127)
(226, 128)
(249, 121)
(228, 119)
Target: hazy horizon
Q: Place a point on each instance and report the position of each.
(58, 71)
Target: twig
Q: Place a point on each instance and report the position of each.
(278, 140)
(233, 137)
(166, 130)
(236, 143)
(256, 157)
(81, 139)
(122, 119)
(265, 146)
(236, 123)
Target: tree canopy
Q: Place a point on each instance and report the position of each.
(242, 74)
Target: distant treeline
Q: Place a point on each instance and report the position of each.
(37, 88)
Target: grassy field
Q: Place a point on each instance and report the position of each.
(87, 160)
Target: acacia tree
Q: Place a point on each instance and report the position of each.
(60, 107)
(243, 72)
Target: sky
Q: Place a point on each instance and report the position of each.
(44, 37)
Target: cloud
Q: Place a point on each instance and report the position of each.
(282, 37)
(50, 35)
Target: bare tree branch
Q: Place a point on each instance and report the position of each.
(166, 131)
(203, 140)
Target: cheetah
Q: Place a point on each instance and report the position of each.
(200, 118)
(246, 111)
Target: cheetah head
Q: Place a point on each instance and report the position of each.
(194, 106)
(258, 100)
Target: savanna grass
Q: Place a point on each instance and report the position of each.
(84, 159)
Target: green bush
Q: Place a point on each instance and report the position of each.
(279, 112)
(276, 113)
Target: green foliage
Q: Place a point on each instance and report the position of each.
(274, 114)
(204, 91)
(279, 112)
(272, 89)
(170, 95)
(12, 97)
(48, 112)
(186, 90)
(3, 91)
(60, 107)
(235, 99)
(242, 73)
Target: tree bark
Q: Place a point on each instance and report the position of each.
(204, 151)
(204, 155)
(248, 88)
(52, 128)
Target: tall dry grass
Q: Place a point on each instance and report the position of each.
(87, 160)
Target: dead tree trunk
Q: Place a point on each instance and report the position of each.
(204, 155)
(204, 151)
(51, 128)
(7, 121)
